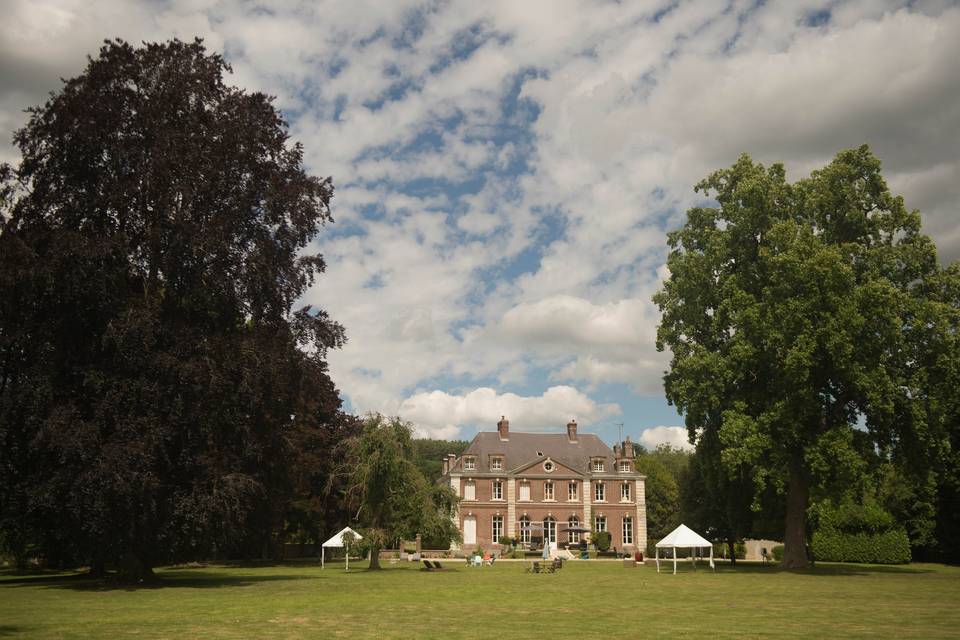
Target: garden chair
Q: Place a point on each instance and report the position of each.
(427, 565)
(477, 561)
(490, 560)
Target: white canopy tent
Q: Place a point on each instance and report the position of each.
(336, 542)
(685, 538)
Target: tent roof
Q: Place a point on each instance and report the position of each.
(337, 539)
(684, 536)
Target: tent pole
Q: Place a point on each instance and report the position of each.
(656, 553)
(712, 566)
(674, 561)
(323, 553)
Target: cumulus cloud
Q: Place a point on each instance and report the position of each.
(675, 437)
(506, 172)
(440, 414)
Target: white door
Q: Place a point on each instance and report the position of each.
(524, 491)
(470, 491)
(470, 530)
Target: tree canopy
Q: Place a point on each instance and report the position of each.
(391, 496)
(803, 319)
(153, 371)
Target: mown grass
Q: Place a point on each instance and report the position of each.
(584, 600)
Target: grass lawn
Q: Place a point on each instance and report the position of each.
(583, 600)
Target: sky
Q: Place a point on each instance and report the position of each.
(506, 172)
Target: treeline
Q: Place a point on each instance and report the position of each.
(884, 516)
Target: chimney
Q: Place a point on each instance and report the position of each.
(628, 448)
(572, 431)
(503, 427)
(446, 465)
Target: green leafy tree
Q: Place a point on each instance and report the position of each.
(791, 311)
(391, 497)
(152, 368)
(664, 468)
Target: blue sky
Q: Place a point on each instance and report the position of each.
(506, 172)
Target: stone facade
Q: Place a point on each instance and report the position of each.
(537, 485)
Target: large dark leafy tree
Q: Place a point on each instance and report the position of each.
(797, 312)
(153, 375)
(390, 494)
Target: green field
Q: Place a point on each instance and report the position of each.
(583, 600)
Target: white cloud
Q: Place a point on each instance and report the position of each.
(521, 242)
(440, 414)
(676, 437)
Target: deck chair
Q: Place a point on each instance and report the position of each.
(437, 565)
(427, 565)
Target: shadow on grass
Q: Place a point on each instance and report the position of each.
(177, 578)
(9, 629)
(824, 569)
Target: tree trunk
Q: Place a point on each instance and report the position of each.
(133, 568)
(795, 534)
(375, 559)
(732, 546)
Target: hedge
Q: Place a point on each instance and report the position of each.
(889, 547)
(777, 552)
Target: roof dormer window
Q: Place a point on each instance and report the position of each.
(598, 465)
(469, 463)
(496, 463)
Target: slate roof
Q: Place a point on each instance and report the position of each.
(523, 448)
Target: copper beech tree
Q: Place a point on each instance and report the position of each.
(153, 370)
(801, 317)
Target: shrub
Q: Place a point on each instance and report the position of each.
(777, 552)
(505, 541)
(601, 539)
(889, 547)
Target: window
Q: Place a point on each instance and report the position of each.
(496, 464)
(625, 492)
(469, 490)
(469, 463)
(599, 494)
(548, 466)
(525, 490)
(627, 530)
(548, 491)
(573, 536)
(549, 530)
(600, 523)
(497, 528)
(572, 491)
(598, 465)
(624, 466)
(524, 530)
(497, 490)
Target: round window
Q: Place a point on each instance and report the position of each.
(548, 466)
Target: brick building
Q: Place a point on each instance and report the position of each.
(539, 485)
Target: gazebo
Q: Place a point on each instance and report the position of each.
(685, 538)
(336, 542)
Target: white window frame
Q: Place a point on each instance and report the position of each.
(598, 466)
(624, 466)
(469, 463)
(627, 530)
(550, 532)
(496, 463)
(599, 492)
(625, 492)
(600, 523)
(548, 493)
(525, 532)
(496, 528)
(496, 492)
(573, 491)
(520, 487)
(470, 484)
(573, 536)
